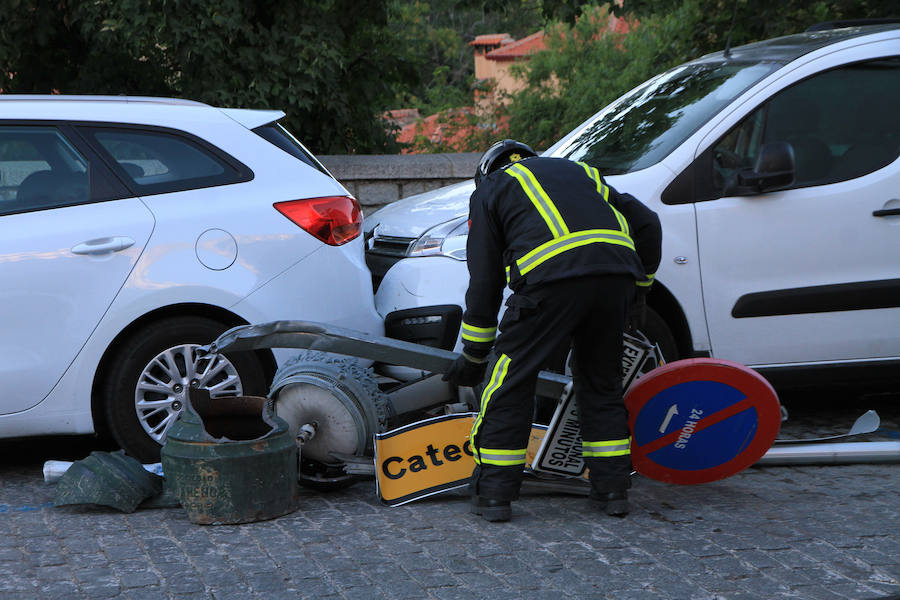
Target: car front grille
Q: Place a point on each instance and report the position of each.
(382, 252)
(390, 245)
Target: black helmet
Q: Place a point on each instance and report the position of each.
(499, 155)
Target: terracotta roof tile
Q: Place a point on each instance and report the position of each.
(435, 127)
(491, 39)
(402, 116)
(520, 48)
(450, 127)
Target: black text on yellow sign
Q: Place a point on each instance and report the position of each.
(424, 458)
(396, 467)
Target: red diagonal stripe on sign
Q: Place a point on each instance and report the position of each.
(716, 417)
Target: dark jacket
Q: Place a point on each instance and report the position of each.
(545, 219)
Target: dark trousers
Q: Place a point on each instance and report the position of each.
(588, 312)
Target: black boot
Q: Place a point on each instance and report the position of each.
(613, 503)
(491, 509)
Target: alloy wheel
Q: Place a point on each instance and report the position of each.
(163, 386)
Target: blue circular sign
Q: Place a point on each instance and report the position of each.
(700, 420)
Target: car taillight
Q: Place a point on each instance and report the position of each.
(333, 219)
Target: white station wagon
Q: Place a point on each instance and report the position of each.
(133, 230)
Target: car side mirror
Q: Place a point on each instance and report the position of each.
(774, 169)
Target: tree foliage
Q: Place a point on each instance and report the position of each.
(585, 67)
(756, 20)
(331, 65)
(335, 66)
(436, 35)
(440, 32)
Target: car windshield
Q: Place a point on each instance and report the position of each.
(644, 126)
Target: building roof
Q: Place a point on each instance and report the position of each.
(401, 117)
(453, 128)
(448, 127)
(491, 39)
(520, 48)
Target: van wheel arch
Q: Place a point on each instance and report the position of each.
(663, 302)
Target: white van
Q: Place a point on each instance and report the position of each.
(773, 168)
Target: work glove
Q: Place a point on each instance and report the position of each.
(637, 313)
(466, 371)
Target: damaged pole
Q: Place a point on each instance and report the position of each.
(841, 453)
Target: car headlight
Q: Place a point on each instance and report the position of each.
(446, 239)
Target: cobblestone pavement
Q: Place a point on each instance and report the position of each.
(816, 532)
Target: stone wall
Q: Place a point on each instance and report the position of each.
(379, 179)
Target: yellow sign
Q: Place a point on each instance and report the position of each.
(429, 457)
(424, 458)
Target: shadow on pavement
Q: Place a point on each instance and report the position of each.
(40, 449)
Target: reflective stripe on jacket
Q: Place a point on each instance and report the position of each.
(544, 219)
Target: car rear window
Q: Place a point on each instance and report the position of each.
(276, 134)
(157, 161)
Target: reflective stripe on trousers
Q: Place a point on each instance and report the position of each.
(497, 377)
(606, 448)
(502, 457)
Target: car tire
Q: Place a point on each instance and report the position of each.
(146, 383)
(657, 332)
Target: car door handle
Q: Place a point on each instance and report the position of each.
(886, 212)
(106, 245)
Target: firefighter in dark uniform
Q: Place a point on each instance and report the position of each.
(577, 255)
